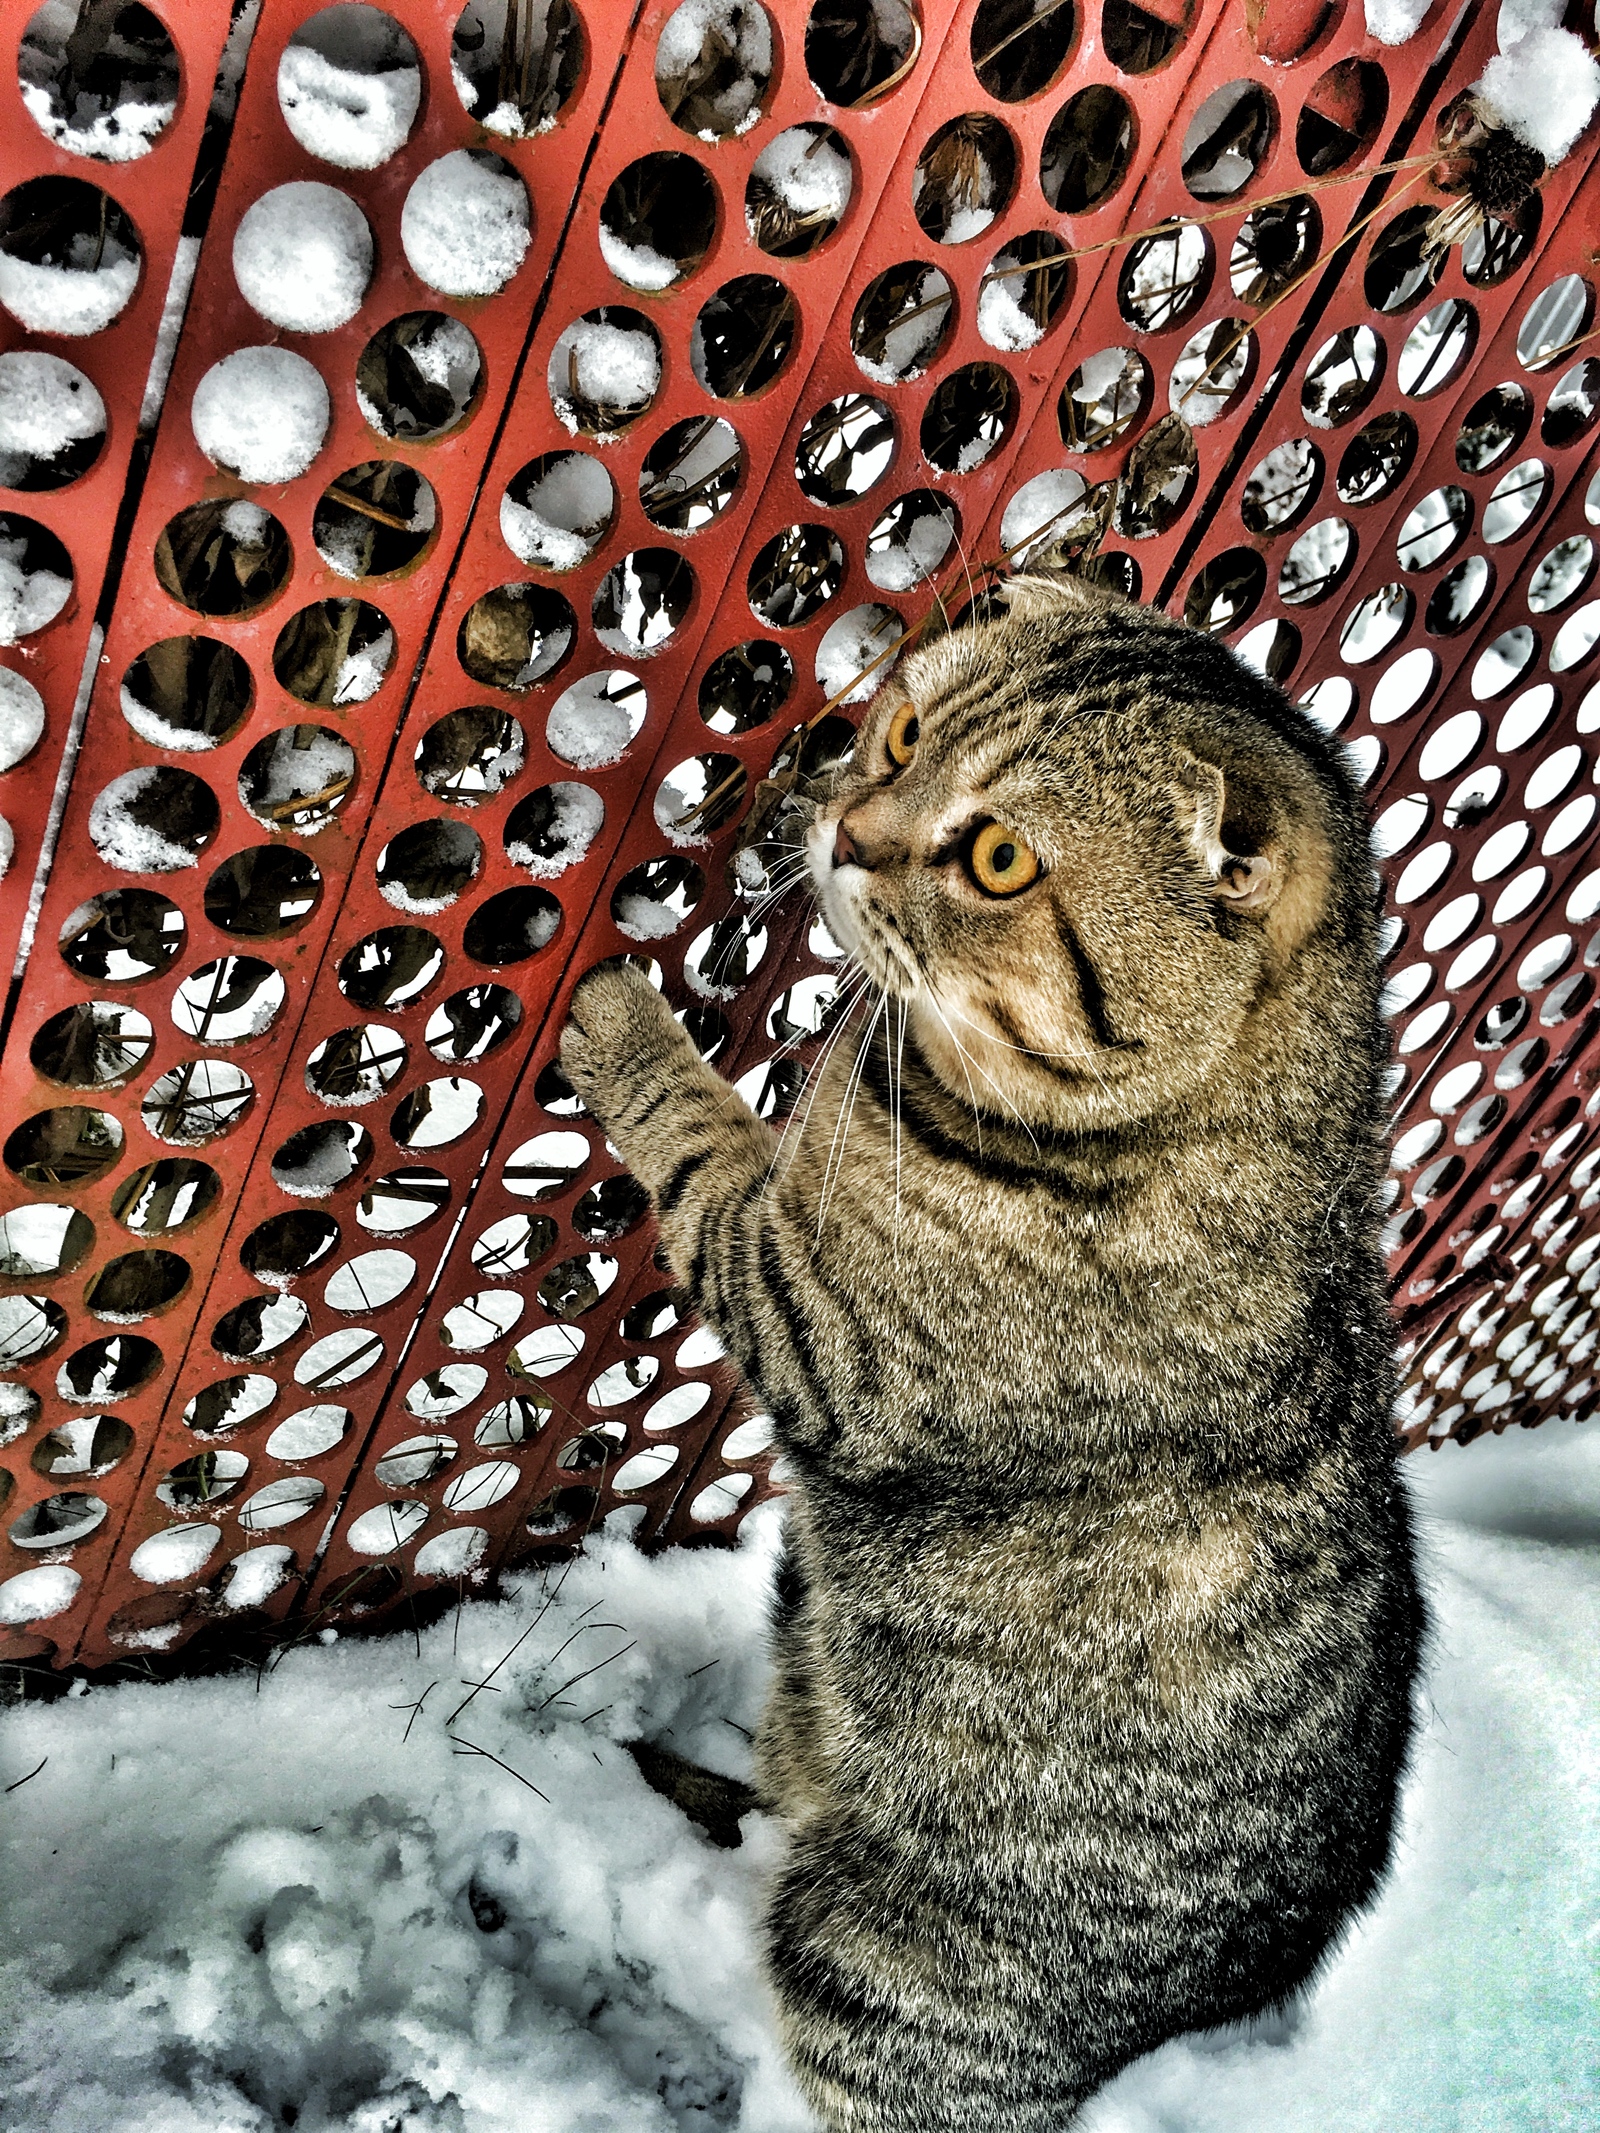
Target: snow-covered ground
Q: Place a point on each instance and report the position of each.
(315, 1901)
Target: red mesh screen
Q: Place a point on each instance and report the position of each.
(558, 470)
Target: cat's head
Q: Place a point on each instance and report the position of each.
(1101, 862)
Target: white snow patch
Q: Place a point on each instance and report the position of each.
(575, 822)
(21, 718)
(592, 723)
(350, 96)
(8, 847)
(807, 172)
(74, 295)
(466, 223)
(614, 367)
(1002, 321)
(261, 413)
(637, 264)
(28, 598)
(1395, 21)
(122, 840)
(739, 34)
(1517, 17)
(1545, 88)
(848, 648)
(302, 256)
(139, 109)
(911, 551)
(174, 306)
(38, 1594)
(1033, 517)
(561, 515)
(46, 406)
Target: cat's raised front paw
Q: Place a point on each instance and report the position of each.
(619, 1027)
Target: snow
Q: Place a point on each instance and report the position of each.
(21, 718)
(636, 264)
(1032, 517)
(557, 517)
(592, 723)
(740, 37)
(118, 112)
(910, 346)
(302, 256)
(807, 172)
(261, 413)
(465, 225)
(576, 816)
(848, 647)
(8, 847)
(1517, 17)
(28, 598)
(185, 258)
(46, 406)
(1002, 321)
(1545, 88)
(338, 1903)
(1395, 21)
(73, 295)
(349, 86)
(123, 840)
(904, 549)
(613, 367)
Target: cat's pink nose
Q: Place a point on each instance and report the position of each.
(845, 853)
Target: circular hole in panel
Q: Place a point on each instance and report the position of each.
(552, 829)
(900, 323)
(319, 1159)
(645, 1468)
(1024, 287)
(136, 1285)
(713, 67)
(1402, 266)
(514, 1421)
(1555, 318)
(438, 1114)
(593, 722)
(642, 601)
(261, 413)
(544, 1167)
(1363, 758)
(1561, 575)
(1545, 962)
(653, 1317)
(1341, 377)
(418, 376)
(465, 224)
(229, 1403)
(1553, 776)
(574, 1286)
(910, 540)
(1433, 528)
(229, 1001)
(1435, 349)
(965, 177)
(391, 969)
(59, 1521)
(1164, 277)
(512, 1245)
(62, 1149)
(515, 635)
(165, 1195)
(339, 1359)
(845, 448)
(1276, 243)
(1319, 560)
(1020, 46)
(334, 652)
(1377, 458)
(720, 1498)
(255, 1331)
(281, 1249)
(623, 1381)
(1226, 590)
(1473, 961)
(445, 1391)
(1494, 425)
(511, 926)
(222, 558)
(1499, 853)
(516, 69)
(1105, 397)
(479, 1487)
(22, 721)
(69, 256)
(402, 1201)
(654, 899)
(658, 220)
(854, 657)
(349, 86)
(1372, 626)
(187, 693)
(40, 1241)
(1227, 140)
(798, 190)
(610, 1209)
(470, 756)
(95, 1044)
(701, 796)
(1086, 149)
(1504, 662)
(356, 1065)
(1571, 409)
(1271, 648)
(720, 961)
(298, 778)
(267, 890)
(1042, 510)
(1516, 498)
(743, 336)
(745, 686)
(690, 474)
(1136, 41)
(108, 1370)
(90, 1445)
(604, 371)
(1575, 639)
(52, 421)
(1209, 370)
(369, 1281)
(30, 1326)
(375, 519)
(280, 1503)
(1496, 249)
(1474, 798)
(472, 1023)
(1459, 595)
(197, 1101)
(557, 510)
(385, 1527)
(426, 867)
(585, 1454)
(1519, 896)
(1402, 687)
(153, 820)
(122, 935)
(303, 257)
(1566, 1001)
(795, 575)
(1342, 112)
(859, 50)
(98, 81)
(37, 577)
(1279, 488)
(966, 421)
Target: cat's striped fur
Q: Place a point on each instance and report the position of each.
(1097, 1625)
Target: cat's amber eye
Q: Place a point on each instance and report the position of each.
(1001, 862)
(901, 739)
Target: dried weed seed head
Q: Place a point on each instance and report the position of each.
(1484, 167)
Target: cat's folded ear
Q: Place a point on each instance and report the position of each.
(1231, 835)
(1038, 594)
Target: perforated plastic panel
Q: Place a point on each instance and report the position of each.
(558, 468)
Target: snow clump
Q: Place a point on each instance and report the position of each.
(28, 598)
(1544, 88)
(123, 839)
(1033, 516)
(78, 294)
(302, 256)
(1394, 22)
(561, 513)
(121, 101)
(572, 824)
(593, 722)
(736, 37)
(466, 223)
(21, 718)
(848, 648)
(1002, 320)
(261, 413)
(349, 86)
(46, 407)
(615, 368)
(807, 172)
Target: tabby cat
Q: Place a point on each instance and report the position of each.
(1097, 1623)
